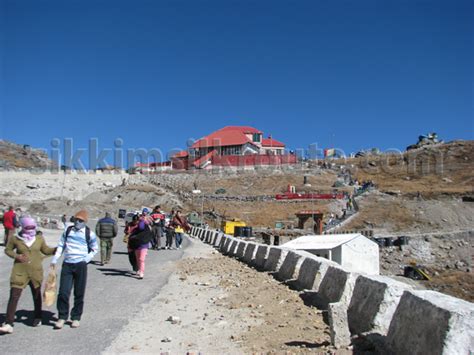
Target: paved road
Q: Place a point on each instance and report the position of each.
(112, 297)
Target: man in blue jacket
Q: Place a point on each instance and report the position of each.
(79, 245)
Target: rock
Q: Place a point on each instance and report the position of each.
(447, 180)
(174, 320)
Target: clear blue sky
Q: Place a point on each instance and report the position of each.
(350, 74)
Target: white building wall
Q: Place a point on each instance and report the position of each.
(361, 255)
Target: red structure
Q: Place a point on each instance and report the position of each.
(233, 146)
(290, 195)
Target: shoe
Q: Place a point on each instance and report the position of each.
(75, 324)
(36, 322)
(6, 329)
(140, 276)
(59, 324)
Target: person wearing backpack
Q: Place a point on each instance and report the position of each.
(79, 245)
(106, 229)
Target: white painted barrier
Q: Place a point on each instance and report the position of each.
(241, 249)
(261, 256)
(250, 252)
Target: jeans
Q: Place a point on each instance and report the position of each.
(179, 239)
(15, 294)
(72, 275)
(106, 245)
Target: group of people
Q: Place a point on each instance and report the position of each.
(78, 245)
(146, 230)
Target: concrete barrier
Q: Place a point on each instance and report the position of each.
(338, 325)
(232, 251)
(373, 304)
(226, 244)
(241, 249)
(276, 256)
(208, 236)
(336, 286)
(250, 252)
(201, 233)
(312, 272)
(261, 256)
(288, 269)
(217, 239)
(428, 322)
(223, 242)
(213, 237)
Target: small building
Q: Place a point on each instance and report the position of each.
(354, 252)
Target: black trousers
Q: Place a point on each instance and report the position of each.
(169, 238)
(72, 275)
(132, 259)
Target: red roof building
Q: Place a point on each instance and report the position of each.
(233, 146)
(237, 140)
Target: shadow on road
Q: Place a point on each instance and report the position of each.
(115, 272)
(306, 344)
(121, 252)
(26, 317)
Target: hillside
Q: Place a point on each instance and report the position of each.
(16, 156)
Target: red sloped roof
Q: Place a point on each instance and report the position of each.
(270, 142)
(222, 138)
(181, 154)
(243, 129)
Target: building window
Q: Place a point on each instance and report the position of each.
(232, 150)
(257, 137)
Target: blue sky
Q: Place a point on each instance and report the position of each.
(349, 74)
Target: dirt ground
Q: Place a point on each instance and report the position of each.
(220, 305)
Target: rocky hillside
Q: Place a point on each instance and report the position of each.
(17, 157)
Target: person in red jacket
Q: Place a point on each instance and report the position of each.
(10, 223)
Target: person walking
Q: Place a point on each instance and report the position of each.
(157, 227)
(10, 223)
(169, 230)
(28, 250)
(106, 230)
(79, 245)
(64, 221)
(139, 241)
(129, 229)
(180, 226)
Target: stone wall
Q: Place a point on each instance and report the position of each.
(402, 320)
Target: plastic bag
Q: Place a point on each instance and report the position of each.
(49, 295)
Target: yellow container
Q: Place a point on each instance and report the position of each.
(228, 227)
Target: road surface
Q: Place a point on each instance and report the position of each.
(113, 297)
